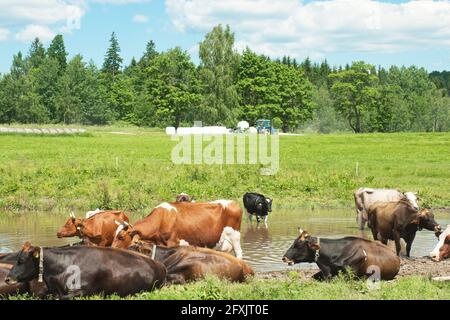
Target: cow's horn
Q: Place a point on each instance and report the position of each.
(300, 230)
(117, 222)
(72, 215)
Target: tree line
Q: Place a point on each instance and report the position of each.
(167, 89)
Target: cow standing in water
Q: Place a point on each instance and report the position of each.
(99, 229)
(86, 270)
(258, 205)
(365, 197)
(213, 224)
(395, 220)
(364, 257)
(188, 263)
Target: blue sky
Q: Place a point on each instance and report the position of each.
(379, 32)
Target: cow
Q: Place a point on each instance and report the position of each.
(188, 263)
(436, 253)
(86, 270)
(214, 224)
(258, 205)
(364, 257)
(33, 287)
(399, 219)
(99, 229)
(444, 251)
(365, 197)
(184, 197)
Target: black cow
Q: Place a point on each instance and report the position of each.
(258, 205)
(364, 257)
(87, 270)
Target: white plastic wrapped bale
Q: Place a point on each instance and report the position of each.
(184, 131)
(252, 130)
(243, 125)
(171, 131)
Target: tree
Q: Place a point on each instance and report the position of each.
(173, 87)
(36, 54)
(355, 93)
(218, 73)
(57, 51)
(113, 61)
(149, 54)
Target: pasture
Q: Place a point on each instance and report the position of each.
(133, 170)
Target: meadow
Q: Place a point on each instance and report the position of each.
(133, 170)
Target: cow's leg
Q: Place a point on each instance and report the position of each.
(236, 242)
(265, 220)
(249, 216)
(396, 236)
(409, 241)
(360, 220)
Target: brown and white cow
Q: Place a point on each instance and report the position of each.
(99, 229)
(442, 249)
(365, 197)
(213, 224)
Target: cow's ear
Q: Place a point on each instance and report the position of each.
(36, 252)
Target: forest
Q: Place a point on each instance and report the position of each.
(167, 88)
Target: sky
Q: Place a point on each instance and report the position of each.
(382, 32)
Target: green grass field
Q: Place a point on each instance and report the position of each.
(134, 171)
(340, 288)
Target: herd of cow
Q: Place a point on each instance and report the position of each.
(183, 241)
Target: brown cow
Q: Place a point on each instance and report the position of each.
(188, 263)
(213, 224)
(184, 197)
(444, 251)
(398, 219)
(99, 229)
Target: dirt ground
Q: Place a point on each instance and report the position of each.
(422, 266)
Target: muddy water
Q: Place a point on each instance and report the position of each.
(263, 247)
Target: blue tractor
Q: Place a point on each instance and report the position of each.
(264, 126)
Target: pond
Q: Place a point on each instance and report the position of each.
(263, 246)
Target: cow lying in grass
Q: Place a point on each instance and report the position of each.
(86, 270)
(187, 263)
(364, 257)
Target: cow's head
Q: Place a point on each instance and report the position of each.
(412, 198)
(183, 197)
(125, 235)
(426, 221)
(302, 250)
(71, 228)
(444, 251)
(27, 265)
(269, 204)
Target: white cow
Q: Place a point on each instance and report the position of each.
(435, 253)
(365, 197)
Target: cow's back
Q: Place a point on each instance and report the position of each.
(102, 226)
(198, 223)
(370, 196)
(380, 258)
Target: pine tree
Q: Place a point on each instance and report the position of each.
(113, 61)
(36, 54)
(149, 54)
(57, 50)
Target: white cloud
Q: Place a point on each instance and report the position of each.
(32, 31)
(41, 17)
(4, 34)
(140, 18)
(315, 28)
